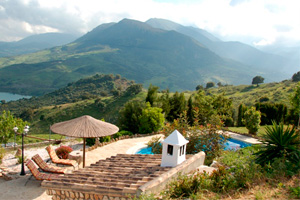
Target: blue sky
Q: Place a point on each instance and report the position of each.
(256, 22)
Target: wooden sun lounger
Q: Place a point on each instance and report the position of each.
(37, 174)
(55, 159)
(45, 167)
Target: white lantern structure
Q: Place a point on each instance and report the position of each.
(173, 150)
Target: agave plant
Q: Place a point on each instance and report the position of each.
(279, 143)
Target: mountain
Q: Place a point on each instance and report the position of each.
(130, 48)
(290, 52)
(200, 35)
(271, 66)
(35, 43)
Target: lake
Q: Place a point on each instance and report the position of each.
(11, 97)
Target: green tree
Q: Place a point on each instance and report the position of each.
(134, 89)
(199, 87)
(165, 102)
(129, 118)
(203, 107)
(296, 77)
(210, 85)
(27, 114)
(270, 112)
(252, 120)
(223, 107)
(178, 105)
(151, 119)
(295, 101)
(257, 80)
(241, 112)
(190, 112)
(7, 123)
(152, 94)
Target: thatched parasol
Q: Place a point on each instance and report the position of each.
(84, 127)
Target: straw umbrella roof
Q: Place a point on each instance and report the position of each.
(84, 127)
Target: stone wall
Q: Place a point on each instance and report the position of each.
(74, 195)
(159, 183)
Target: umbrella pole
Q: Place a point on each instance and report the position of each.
(83, 163)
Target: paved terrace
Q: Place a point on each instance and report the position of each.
(16, 189)
(117, 176)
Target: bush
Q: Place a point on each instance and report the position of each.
(63, 151)
(241, 164)
(185, 186)
(280, 143)
(155, 144)
(105, 139)
(129, 118)
(151, 119)
(201, 138)
(90, 141)
(296, 77)
(252, 120)
(121, 133)
(2, 154)
(19, 159)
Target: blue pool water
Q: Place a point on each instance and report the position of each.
(231, 144)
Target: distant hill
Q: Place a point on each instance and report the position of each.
(273, 67)
(276, 92)
(97, 86)
(35, 43)
(130, 48)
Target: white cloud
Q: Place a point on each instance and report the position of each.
(253, 20)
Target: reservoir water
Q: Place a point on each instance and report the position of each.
(11, 97)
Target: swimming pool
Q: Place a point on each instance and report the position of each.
(230, 144)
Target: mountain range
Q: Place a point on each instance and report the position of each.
(35, 43)
(157, 51)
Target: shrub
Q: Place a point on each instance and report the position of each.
(63, 151)
(280, 143)
(105, 139)
(295, 192)
(19, 159)
(129, 118)
(241, 164)
(201, 138)
(296, 77)
(222, 180)
(185, 186)
(121, 133)
(252, 120)
(155, 144)
(2, 154)
(90, 141)
(151, 119)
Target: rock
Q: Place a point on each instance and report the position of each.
(215, 164)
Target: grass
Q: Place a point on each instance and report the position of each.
(28, 140)
(244, 130)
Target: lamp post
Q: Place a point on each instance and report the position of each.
(25, 131)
